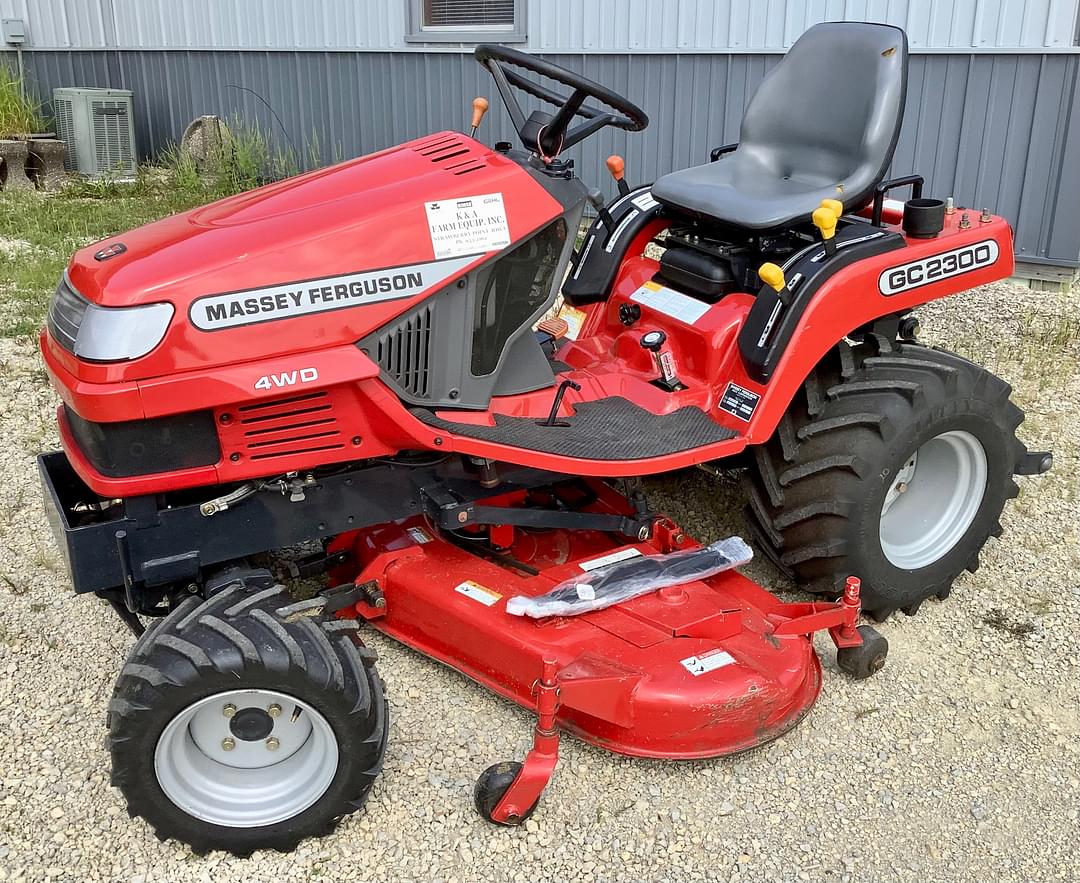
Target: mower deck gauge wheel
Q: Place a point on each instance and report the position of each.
(490, 788)
(868, 658)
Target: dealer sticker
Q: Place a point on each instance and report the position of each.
(739, 402)
(708, 661)
(477, 592)
(467, 225)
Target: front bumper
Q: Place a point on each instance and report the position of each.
(152, 541)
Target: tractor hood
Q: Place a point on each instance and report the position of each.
(322, 258)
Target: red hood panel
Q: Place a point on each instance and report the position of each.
(365, 214)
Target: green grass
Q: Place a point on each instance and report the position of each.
(39, 232)
(20, 112)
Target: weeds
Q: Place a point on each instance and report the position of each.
(241, 157)
(998, 619)
(20, 114)
(88, 210)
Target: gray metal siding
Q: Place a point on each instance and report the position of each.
(1001, 131)
(563, 26)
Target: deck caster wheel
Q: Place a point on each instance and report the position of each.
(866, 659)
(493, 783)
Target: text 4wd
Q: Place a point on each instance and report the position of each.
(287, 378)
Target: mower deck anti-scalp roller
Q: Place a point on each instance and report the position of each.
(362, 370)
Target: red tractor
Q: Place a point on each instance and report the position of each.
(355, 363)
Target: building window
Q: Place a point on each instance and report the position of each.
(466, 21)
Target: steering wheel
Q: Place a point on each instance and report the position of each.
(549, 134)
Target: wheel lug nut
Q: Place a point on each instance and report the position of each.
(274, 710)
(229, 710)
(227, 744)
(272, 744)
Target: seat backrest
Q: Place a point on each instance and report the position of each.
(830, 111)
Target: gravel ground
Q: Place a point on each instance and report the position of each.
(958, 762)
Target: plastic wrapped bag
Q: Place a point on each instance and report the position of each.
(627, 579)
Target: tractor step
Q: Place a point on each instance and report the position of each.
(612, 428)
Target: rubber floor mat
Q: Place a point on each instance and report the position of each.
(608, 429)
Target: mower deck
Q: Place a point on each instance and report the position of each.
(693, 671)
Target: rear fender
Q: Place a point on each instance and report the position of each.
(890, 283)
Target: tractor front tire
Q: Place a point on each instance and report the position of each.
(242, 722)
(893, 464)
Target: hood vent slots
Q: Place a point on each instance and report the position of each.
(452, 153)
(298, 424)
(404, 352)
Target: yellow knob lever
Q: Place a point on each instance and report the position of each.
(825, 220)
(772, 276)
(833, 205)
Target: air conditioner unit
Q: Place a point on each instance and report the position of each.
(99, 128)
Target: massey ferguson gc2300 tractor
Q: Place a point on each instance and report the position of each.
(360, 366)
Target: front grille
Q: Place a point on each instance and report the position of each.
(66, 312)
(298, 424)
(404, 352)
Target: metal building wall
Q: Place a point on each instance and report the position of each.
(566, 26)
(991, 127)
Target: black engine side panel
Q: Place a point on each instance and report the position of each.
(595, 264)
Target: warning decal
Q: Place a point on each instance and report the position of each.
(419, 535)
(670, 302)
(574, 319)
(477, 592)
(467, 225)
(708, 661)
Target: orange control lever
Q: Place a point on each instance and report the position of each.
(479, 108)
(617, 166)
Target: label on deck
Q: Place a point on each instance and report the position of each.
(419, 535)
(477, 592)
(708, 661)
(613, 558)
(670, 302)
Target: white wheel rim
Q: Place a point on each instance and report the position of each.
(933, 500)
(252, 782)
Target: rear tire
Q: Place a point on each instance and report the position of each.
(818, 489)
(239, 724)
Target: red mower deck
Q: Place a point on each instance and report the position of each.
(703, 669)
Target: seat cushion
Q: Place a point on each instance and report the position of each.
(734, 191)
(823, 124)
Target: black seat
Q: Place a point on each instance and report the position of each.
(823, 124)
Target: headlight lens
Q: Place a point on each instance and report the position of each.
(105, 334)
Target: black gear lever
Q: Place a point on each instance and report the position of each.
(554, 413)
(654, 342)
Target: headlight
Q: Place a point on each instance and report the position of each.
(105, 334)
